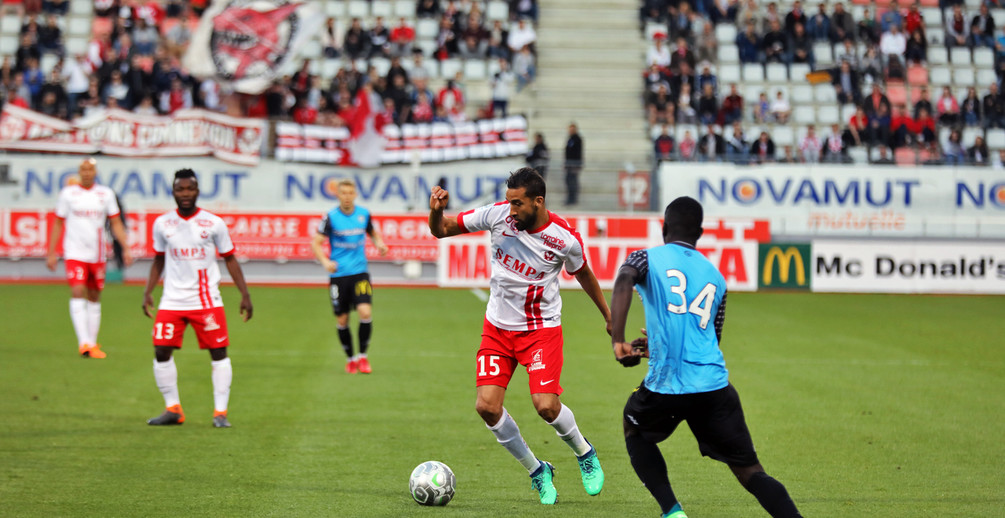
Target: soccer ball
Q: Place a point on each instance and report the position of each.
(432, 483)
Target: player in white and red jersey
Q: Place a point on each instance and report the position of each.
(530, 246)
(187, 241)
(81, 212)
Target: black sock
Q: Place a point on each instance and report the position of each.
(772, 496)
(365, 328)
(345, 337)
(651, 469)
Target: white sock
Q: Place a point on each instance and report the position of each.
(566, 428)
(93, 321)
(508, 435)
(78, 315)
(222, 376)
(166, 375)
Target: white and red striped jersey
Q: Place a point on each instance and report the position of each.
(525, 267)
(84, 212)
(190, 246)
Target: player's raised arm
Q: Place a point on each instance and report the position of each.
(439, 225)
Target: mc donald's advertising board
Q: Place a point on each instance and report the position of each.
(784, 265)
(848, 201)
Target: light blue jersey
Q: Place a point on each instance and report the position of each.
(684, 298)
(347, 236)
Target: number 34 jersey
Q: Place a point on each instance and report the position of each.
(190, 246)
(685, 300)
(525, 267)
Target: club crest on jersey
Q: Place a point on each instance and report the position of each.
(211, 324)
(549, 255)
(249, 39)
(537, 362)
(204, 234)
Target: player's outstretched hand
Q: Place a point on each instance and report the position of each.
(330, 266)
(438, 198)
(382, 249)
(626, 355)
(148, 302)
(246, 308)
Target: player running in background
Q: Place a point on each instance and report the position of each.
(685, 305)
(346, 227)
(523, 321)
(187, 241)
(81, 210)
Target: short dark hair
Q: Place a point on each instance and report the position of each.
(185, 173)
(683, 218)
(529, 179)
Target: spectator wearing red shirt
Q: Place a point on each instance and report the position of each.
(732, 107)
(924, 126)
(177, 98)
(947, 107)
(452, 99)
(303, 113)
(857, 126)
(664, 145)
(422, 110)
(901, 128)
(402, 37)
(913, 20)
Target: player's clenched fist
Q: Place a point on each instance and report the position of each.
(438, 198)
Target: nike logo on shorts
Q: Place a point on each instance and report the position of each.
(218, 340)
(543, 383)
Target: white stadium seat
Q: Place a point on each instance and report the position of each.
(959, 55)
(728, 53)
(776, 73)
(802, 94)
(996, 138)
(404, 9)
(358, 9)
(753, 73)
(963, 76)
(937, 55)
(725, 33)
(729, 73)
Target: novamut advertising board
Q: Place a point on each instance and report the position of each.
(848, 201)
(909, 267)
(33, 182)
(730, 244)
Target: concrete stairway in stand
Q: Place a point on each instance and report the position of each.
(590, 61)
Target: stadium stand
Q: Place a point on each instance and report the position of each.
(821, 92)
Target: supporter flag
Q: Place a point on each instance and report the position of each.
(366, 144)
(247, 43)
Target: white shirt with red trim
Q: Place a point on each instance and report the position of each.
(525, 267)
(84, 212)
(190, 246)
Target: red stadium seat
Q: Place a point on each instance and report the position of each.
(101, 25)
(896, 93)
(905, 156)
(917, 75)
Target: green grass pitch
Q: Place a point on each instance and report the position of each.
(862, 405)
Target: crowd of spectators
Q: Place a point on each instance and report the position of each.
(134, 62)
(871, 53)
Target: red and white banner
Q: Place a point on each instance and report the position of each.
(731, 244)
(246, 44)
(257, 236)
(123, 133)
(435, 142)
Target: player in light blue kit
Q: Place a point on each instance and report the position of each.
(345, 228)
(685, 304)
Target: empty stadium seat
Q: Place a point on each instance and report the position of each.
(728, 53)
(847, 111)
(381, 65)
(358, 9)
(753, 72)
(729, 73)
(450, 67)
(804, 115)
(823, 53)
(932, 16)
(330, 67)
(474, 69)
(905, 156)
(336, 8)
(963, 76)
(783, 136)
(858, 154)
(8, 45)
(828, 114)
(74, 45)
(497, 10)
(939, 76)
(382, 8)
(798, 71)
(802, 94)
(984, 57)
(825, 93)
(404, 9)
(937, 55)
(10, 24)
(959, 55)
(995, 138)
(725, 33)
(985, 76)
(426, 29)
(82, 8)
(896, 93)
(936, 36)
(776, 73)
